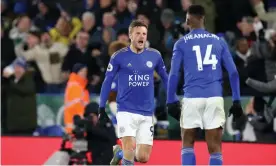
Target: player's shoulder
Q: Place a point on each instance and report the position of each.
(153, 50)
(120, 52)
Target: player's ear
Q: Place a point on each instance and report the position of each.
(130, 35)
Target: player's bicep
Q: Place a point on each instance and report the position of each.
(112, 67)
(161, 68)
(177, 59)
(227, 59)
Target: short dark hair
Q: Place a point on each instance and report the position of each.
(196, 10)
(137, 23)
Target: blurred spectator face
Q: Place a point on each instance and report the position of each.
(144, 19)
(18, 71)
(159, 3)
(32, 40)
(108, 20)
(123, 38)
(83, 72)
(43, 9)
(90, 3)
(242, 46)
(167, 18)
(186, 4)
(63, 26)
(24, 24)
(138, 37)
(121, 5)
(94, 119)
(132, 6)
(107, 35)
(105, 3)
(88, 21)
(45, 38)
(82, 39)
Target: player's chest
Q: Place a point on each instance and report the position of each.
(138, 64)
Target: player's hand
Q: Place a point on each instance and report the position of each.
(236, 110)
(103, 117)
(174, 110)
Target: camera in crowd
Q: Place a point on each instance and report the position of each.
(79, 145)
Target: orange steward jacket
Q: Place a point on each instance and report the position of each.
(75, 100)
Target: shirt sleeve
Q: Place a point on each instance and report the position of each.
(111, 72)
(228, 63)
(162, 71)
(173, 76)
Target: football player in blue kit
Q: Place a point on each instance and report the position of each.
(203, 55)
(134, 67)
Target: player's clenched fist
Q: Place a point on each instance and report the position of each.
(174, 110)
(236, 110)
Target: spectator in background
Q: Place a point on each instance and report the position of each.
(7, 54)
(105, 6)
(91, 5)
(76, 95)
(7, 57)
(65, 29)
(7, 15)
(89, 25)
(21, 107)
(79, 53)
(241, 59)
(48, 56)
(263, 49)
(262, 14)
(109, 21)
(20, 31)
(122, 36)
(47, 16)
(181, 15)
(123, 15)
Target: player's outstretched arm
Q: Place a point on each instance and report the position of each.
(173, 104)
(111, 71)
(230, 66)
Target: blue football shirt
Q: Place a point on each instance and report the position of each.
(135, 80)
(203, 55)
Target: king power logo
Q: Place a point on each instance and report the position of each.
(136, 80)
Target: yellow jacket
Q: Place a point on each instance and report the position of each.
(57, 37)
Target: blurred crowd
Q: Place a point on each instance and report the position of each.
(42, 40)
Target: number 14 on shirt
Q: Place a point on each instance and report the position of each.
(208, 58)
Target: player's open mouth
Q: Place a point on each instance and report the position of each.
(141, 42)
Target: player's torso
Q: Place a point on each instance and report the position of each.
(202, 65)
(135, 80)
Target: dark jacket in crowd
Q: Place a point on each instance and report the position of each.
(21, 105)
(263, 50)
(74, 56)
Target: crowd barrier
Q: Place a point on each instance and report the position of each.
(50, 108)
(36, 150)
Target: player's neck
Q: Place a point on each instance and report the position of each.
(135, 50)
(197, 27)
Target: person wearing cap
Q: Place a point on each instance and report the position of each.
(76, 95)
(21, 115)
